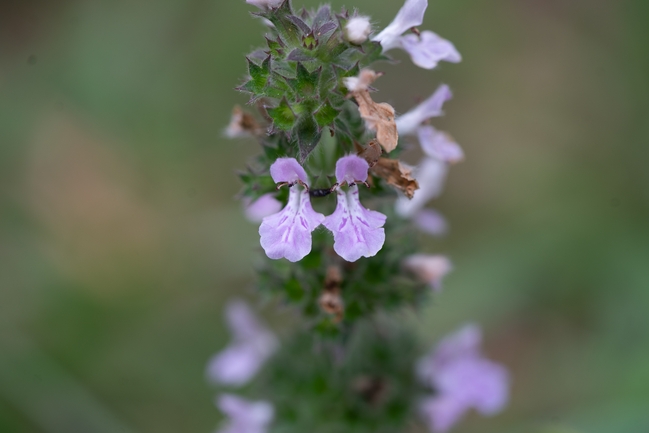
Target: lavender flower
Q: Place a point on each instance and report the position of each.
(430, 174)
(429, 268)
(431, 222)
(438, 147)
(357, 231)
(264, 206)
(462, 379)
(288, 233)
(427, 49)
(409, 123)
(265, 4)
(251, 346)
(245, 416)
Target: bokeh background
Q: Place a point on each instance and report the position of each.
(120, 239)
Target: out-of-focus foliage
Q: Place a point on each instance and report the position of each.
(119, 238)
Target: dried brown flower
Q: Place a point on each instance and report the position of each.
(397, 174)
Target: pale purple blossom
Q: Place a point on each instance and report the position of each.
(252, 344)
(266, 205)
(426, 50)
(462, 379)
(430, 221)
(287, 233)
(358, 232)
(430, 175)
(245, 416)
(429, 268)
(265, 4)
(357, 29)
(410, 122)
(439, 145)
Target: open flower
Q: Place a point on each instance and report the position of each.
(462, 379)
(358, 232)
(430, 221)
(426, 49)
(265, 4)
(245, 416)
(288, 233)
(429, 268)
(439, 149)
(251, 346)
(410, 122)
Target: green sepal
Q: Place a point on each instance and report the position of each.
(325, 114)
(308, 135)
(258, 77)
(287, 30)
(282, 115)
(305, 83)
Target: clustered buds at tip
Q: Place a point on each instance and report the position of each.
(245, 416)
(357, 29)
(251, 346)
(426, 49)
(430, 269)
(463, 379)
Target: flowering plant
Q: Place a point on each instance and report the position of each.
(340, 216)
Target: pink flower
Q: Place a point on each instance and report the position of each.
(426, 50)
(429, 268)
(245, 416)
(288, 233)
(358, 232)
(462, 379)
(439, 145)
(251, 346)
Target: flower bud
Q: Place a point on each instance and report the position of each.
(358, 29)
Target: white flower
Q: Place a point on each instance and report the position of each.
(409, 123)
(358, 29)
(427, 49)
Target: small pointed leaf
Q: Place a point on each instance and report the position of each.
(308, 135)
(325, 114)
(282, 115)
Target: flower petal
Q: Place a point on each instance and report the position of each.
(428, 49)
(288, 233)
(252, 345)
(357, 231)
(410, 15)
(431, 222)
(430, 175)
(429, 268)
(439, 145)
(264, 206)
(441, 413)
(432, 107)
(288, 170)
(351, 169)
(245, 416)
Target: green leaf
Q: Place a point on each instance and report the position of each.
(308, 135)
(282, 115)
(325, 114)
(288, 30)
(258, 77)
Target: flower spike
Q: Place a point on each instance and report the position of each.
(287, 234)
(358, 232)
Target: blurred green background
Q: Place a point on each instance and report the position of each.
(120, 239)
